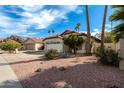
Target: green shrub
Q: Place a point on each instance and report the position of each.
(10, 46)
(51, 54)
(108, 56)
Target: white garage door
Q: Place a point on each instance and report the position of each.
(30, 46)
(58, 47)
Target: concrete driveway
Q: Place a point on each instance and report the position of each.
(8, 79)
(22, 56)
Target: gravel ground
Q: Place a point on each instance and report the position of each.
(85, 73)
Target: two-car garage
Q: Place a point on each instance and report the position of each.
(54, 43)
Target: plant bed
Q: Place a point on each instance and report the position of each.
(82, 74)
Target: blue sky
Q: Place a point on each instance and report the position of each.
(35, 21)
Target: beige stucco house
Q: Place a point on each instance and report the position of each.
(56, 42)
(33, 44)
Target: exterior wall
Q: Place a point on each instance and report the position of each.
(107, 45)
(65, 48)
(31, 45)
(37, 46)
(110, 45)
(55, 43)
(94, 46)
(121, 53)
(82, 49)
(117, 46)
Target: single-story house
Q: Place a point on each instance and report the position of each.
(33, 44)
(56, 42)
(1, 40)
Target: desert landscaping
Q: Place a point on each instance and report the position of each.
(65, 72)
(62, 47)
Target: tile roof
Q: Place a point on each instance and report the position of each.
(50, 37)
(67, 32)
(36, 40)
(61, 36)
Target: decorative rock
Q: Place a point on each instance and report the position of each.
(61, 68)
(41, 63)
(38, 70)
(61, 84)
(113, 86)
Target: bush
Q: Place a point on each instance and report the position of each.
(51, 54)
(10, 46)
(108, 56)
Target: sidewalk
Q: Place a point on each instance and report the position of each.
(8, 78)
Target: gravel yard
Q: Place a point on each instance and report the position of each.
(82, 74)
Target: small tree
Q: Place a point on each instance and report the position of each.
(73, 41)
(10, 46)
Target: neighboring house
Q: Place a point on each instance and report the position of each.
(16, 38)
(1, 40)
(56, 42)
(33, 44)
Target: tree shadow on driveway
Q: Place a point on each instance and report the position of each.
(10, 84)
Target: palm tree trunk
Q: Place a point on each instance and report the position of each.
(88, 50)
(103, 26)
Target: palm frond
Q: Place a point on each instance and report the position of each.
(117, 6)
(118, 28)
(117, 15)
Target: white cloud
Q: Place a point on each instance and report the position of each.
(46, 17)
(34, 15)
(108, 26)
(95, 31)
(29, 34)
(72, 8)
(79, 11)
(11, 27)
(31, 8)
(83, 31)
(107, 30)
(98, 30)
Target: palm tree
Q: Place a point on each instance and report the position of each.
(118, 15)
(103, 26)
(51, 31)
(77, 28)
(88, 42)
